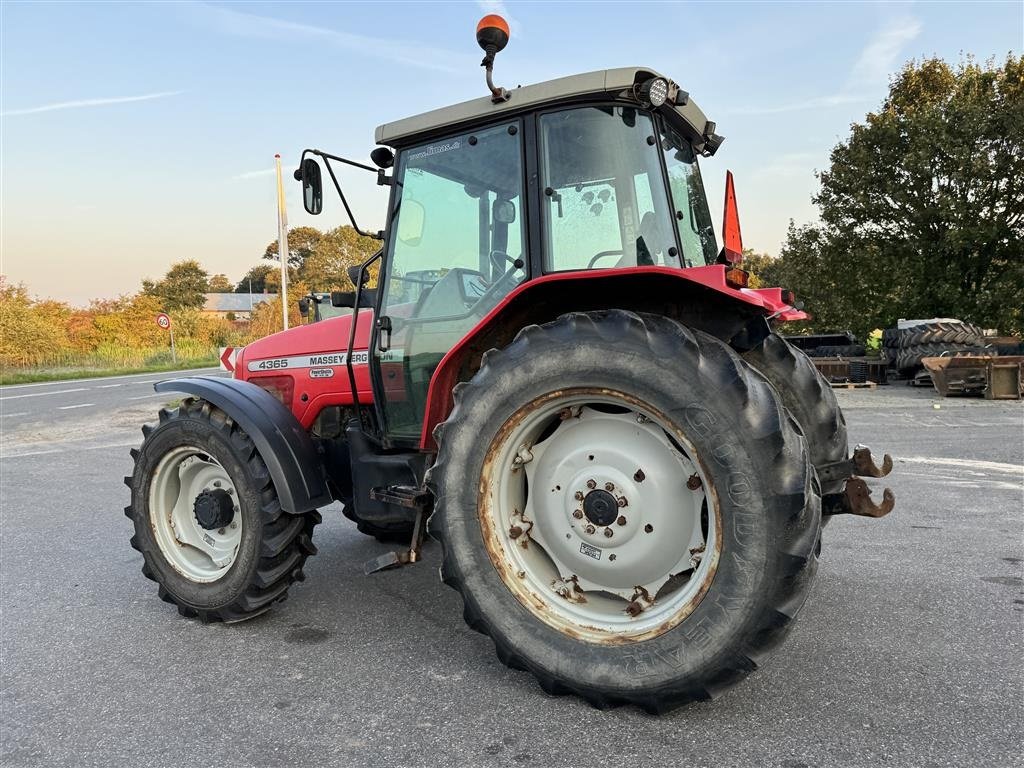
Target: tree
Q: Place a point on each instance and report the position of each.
(759, 265)
(220, 284)
(255, 280)
(301, 242)
(337, 249)
(183, 287)
(30, 331)
(922, 207)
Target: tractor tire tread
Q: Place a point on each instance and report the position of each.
(286, 539)
(795, 511)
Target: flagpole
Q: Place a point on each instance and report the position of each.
(282, 241)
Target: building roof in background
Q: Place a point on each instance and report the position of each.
(235, 302)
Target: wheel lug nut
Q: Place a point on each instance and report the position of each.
(608, 533)
(609, 486)
(622, 501)
(221, 531)
(590, 529)
(591, 484)
(621, 520)
(578, 514)
(578, 496)
(648, 528)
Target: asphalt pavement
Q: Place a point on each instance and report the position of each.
(908, 652)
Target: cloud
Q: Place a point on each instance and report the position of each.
(877, 60)
(80, 103)
(241, 24)
(255, 174)
(879, 57)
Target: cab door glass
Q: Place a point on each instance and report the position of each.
(455, 251)
(605, 202)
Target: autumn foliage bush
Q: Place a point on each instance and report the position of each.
(114, 333)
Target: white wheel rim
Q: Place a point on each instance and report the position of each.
(199, 554)
(548, 481)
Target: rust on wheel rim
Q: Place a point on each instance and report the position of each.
(591, 515)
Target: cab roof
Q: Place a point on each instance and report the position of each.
(611, 83)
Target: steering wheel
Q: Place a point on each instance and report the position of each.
(501, 256)
(601, 255)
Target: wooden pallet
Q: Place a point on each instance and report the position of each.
(854, 385)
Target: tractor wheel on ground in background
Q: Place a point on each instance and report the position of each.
(626, 509)
(910, 358)
(941, 333)
(207, 518)
(808, 396)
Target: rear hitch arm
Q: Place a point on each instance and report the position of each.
(855, 498)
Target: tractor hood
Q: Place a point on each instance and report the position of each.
(300, 350)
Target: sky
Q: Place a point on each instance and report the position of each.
(134, 135)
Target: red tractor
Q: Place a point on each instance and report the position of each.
(552, 368)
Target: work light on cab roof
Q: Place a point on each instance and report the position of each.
(552, 363)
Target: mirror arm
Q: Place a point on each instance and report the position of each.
(327, 162)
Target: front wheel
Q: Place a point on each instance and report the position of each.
(625, 508)
(207, 518)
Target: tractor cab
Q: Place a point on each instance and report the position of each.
(596, 172)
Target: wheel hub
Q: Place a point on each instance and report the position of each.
(214, 509)
(195, 514)
(600, 507)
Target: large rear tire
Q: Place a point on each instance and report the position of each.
(207, 517)
(613, 413)
(809, 397)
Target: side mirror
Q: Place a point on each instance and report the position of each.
(353, 275)
(504, 212)
(312, 187)
(383, 158)
(304, 307)
(411, 219)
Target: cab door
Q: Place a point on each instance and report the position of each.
(455, 249)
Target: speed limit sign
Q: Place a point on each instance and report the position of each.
(163, 321)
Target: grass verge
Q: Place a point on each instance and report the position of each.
(33, 375)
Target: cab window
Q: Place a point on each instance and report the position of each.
(605, 203)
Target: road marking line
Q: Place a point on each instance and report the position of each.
(44, 394)
(87, 380)
(8, 415)
(72, 448)
(69, 407)
(145, 397)
(991, 466)
(108, 386)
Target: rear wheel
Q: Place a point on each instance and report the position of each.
(625, 508)
(207, 518)
(809, 397)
